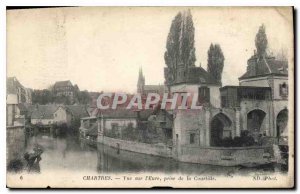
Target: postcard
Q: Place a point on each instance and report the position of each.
(150, 97)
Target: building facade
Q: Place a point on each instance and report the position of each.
(65, 88)
(14, 87)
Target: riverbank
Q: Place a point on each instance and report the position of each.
(221, 156)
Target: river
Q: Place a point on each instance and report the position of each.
(70, 153)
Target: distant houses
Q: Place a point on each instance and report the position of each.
(57, 114)
(65, 88)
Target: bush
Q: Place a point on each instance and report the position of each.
(243, 141)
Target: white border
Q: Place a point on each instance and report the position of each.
(5, 3)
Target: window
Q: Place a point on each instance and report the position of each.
(224, 101)
(192, 138)
(283, 90)
(204, 95)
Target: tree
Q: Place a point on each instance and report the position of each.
(215, 61)
(261, 41)
(42, 96)
(180, 44)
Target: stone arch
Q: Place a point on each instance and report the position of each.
(281, 123)
(220, 127)
(256, 121)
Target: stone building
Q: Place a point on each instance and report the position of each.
(46, 115)
(273, 74)
(256, 108)
(65, 88)
(15, 129)
(14, 87)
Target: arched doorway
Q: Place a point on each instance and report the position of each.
(219, 129)
(281, 123)
(256, 122)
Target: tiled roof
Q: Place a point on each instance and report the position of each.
(196, 75)
(12, 84)
(116, 113)
(154, 88)
(265, 66)
(44, 112)
(78, 111)
(62, 83)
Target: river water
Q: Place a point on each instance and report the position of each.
(70, 153)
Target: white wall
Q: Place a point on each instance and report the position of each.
(42, 121)
(122, 123)
(277, 82)
(194, 89)
(62, 116)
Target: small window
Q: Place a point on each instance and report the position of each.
(192, 138)
(204, 95)
(283, 90)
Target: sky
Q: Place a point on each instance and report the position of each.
(102, 48)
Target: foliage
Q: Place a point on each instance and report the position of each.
(243, 141)
(42, 96)
(83, 97)
(48, 97)
(215, 61)
(261, 41)
(130, 133)
(180, 43)
(15, 165)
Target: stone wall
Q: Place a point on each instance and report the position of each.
(223, 156)
(151, 149)
(15, 142)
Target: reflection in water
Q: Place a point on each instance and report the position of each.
(71, 154)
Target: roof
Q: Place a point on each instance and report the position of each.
(205, 77)
(198, 75)
(116, 113)
(12, 84)
(145, 114)
(78, 111)
(22, 107)
(29, 108)
(265, 66)
(44, 112)
(244, 87)
(160, 88)
(62, 83)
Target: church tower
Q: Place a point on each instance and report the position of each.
(141, 82)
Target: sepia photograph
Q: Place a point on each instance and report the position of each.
(144, 97)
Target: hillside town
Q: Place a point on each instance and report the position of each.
(244, 124)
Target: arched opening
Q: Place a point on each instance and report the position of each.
(256, 122)
(281, 123)
(219, 129)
